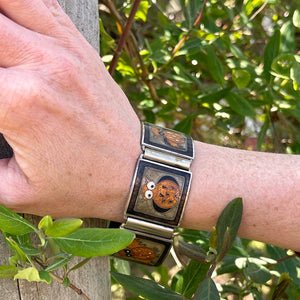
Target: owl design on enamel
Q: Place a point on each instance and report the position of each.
(139, 251)
(171, 138)
(165, 194)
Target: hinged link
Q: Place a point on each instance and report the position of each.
(148, 227)
(167, 158)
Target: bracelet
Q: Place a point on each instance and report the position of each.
(158, 194)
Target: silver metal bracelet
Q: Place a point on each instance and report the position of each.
(158, 194)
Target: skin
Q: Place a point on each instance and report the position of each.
(65, 118)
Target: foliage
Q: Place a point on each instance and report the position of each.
(232, 79)
(228, 73)
(211, 258)
(59, 242)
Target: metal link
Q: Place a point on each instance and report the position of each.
(150, 228)
(167, 158)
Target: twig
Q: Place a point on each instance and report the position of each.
(187, 35)
(184, 38)
(259, 10)
(61, 281)
(211, 270)
(123, 37)
(281, 260)
(133, 43)
(72, 286)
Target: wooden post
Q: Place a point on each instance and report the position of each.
(93, 279)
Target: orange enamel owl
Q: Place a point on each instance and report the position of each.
(174, 139)
(138, 251)
(165, 194)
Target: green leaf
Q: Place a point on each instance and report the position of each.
(207, 290)
(45, 222)
(271, 51)
(215, 96)
(23, 240)
(67, 282)
(8, 271)
(146, 288)
(62, 227)
(282, 64)
(105, 37)
(241, 78)
(230, 218)
(258, 273)
(87, 242)
(17, 251)
(30, 274)
(13, 260)
(296, 18)
(262, 134)
(283, 282)
(59, 263)
(193, 251)
(141, 13)
(30, 251)
(185, 125)
(213, 238)
(80, 264)
(240, 105)
(295, 75)
(122, 266)
(236, 51)
(215, 66)
(163, 272)
(290, 266)
(13, 223)
(190, 47)
(287, 37)
(225, 245)
(45, 276)
(190, 11)
(188, 282)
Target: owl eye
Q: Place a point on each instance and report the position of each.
(151, 185)
(148, 194)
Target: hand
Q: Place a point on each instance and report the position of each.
(75, 137)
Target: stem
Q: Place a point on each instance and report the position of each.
(61, 281)
(185, 37)
(259, 10)
(281, 260)
(196, 23)
(211, 270)
(133, 44)
(72, 286)
(123, 37)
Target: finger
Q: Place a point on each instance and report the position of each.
(15, 41)
(16, 88)
(15, 189)
(35, 15)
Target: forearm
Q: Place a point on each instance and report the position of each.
(268, 183)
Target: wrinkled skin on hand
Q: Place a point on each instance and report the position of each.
(75, 136)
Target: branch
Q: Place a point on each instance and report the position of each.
(61, 281)
(123, 37)
(259, 10)
(196, 23)
(133, 43)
